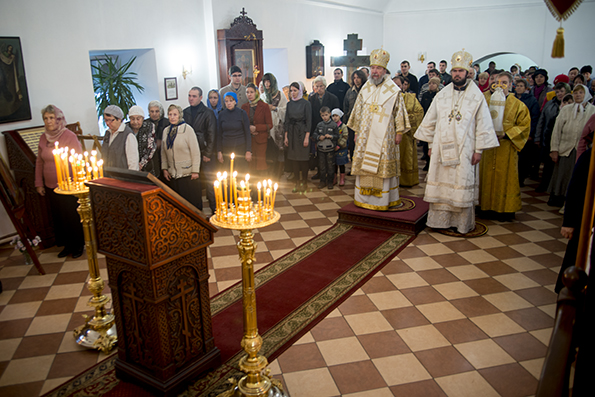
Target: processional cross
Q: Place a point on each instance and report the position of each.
(352, 61)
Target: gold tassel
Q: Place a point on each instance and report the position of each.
(558, 48)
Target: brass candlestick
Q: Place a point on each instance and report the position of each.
(243, 216)
(73, 170)
(99, 331)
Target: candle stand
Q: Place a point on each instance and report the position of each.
(241, 214)
(99, 331)
(73, 170)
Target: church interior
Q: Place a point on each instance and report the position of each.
(444, 316)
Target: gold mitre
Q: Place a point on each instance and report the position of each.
(461, 60)
(379, 57)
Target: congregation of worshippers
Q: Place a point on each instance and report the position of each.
(305, 136)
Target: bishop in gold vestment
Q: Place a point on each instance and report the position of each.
(499, 188)
(379, 118)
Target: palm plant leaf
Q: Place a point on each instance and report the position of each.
(113, 85)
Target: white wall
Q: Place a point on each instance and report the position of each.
(57, 37)
(486, 27)
(295, 24)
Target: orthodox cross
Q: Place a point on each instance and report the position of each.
(182, 296)
(352, 61)
(135, 299)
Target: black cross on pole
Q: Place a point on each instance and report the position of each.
(352, 61)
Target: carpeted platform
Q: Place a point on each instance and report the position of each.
(409, 222)
(294, 293)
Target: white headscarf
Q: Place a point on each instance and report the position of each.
(579, 108)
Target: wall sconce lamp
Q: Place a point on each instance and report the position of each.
(186, 72)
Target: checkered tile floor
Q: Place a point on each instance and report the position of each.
(448, 316)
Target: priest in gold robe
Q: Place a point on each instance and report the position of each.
(408, 148)
(458, 128)
(499, 189)
(379, 118)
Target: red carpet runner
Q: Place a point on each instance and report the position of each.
(294, 293)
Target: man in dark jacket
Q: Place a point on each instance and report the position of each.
(204, 123)
(528, 157)
(413, 83)
(445, 78)
(543, 133)
(339, 88)
(318, 99)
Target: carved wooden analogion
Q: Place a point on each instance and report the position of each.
(156, 250)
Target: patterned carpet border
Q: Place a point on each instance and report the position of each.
(304, 318)
(234, 293)
(100, 380)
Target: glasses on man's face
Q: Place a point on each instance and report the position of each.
(110, 120)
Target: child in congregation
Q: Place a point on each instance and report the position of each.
(326, 136)
(341, 150)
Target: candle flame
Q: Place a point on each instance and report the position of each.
(276, 186)
(233, 156)
(259, 185)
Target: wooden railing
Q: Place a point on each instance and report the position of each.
(573, 337)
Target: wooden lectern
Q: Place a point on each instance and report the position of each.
(22, 153)
(156, 250)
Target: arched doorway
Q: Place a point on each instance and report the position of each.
(504, 60)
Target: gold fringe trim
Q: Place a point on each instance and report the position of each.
(377, 207)
(567, 13)
(366, 191)
(558, 47)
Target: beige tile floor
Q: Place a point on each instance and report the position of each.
(446, 317)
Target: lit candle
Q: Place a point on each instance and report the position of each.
(243, 186)
(100, 166)
(58, 174)
(226, 203)
(268, 198)
(86, 164)
(94, 163)
(274, 197)
(247, 182)
(235, 189)
(64, 166)
(217, 198)
(231, 164)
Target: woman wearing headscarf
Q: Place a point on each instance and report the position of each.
(214, 102)
(358, 79)
(157, 117)
(278, 105)
(67, 223)
(297, 134)
(565, 138)
(261, 123)
(144, 131)
(180, 157)
(119, 148)
(541, 87)
(233, 135)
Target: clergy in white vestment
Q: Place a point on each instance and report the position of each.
(379, 118)
(458, 127)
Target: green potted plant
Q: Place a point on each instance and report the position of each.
(113, 85)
